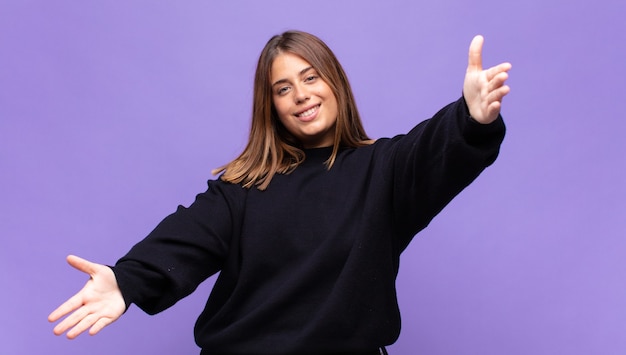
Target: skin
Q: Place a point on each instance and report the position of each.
(100, 302)
(97, 305)
(483, 90)
(305, 104)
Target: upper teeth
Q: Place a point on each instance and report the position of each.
(308, 112)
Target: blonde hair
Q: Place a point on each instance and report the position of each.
(271, 149)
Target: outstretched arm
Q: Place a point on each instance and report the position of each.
(97, 305)
(483, 90)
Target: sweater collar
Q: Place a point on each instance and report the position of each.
(315, 154)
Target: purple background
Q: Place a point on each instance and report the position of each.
(113, 113)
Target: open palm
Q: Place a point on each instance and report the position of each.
(98, 304)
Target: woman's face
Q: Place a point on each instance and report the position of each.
(305, 104)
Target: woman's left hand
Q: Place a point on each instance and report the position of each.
(483, 90)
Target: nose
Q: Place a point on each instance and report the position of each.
(300, 94)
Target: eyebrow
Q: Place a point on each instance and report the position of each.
(302, 72)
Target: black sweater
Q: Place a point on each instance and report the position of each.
(308, 266)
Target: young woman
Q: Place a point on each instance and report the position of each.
(307, 225)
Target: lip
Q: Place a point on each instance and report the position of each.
(309, 118)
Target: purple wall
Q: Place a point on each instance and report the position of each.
(113, 113)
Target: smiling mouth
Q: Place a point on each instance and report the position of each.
(308, 113)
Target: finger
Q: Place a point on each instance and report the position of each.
(68, 306)
(499, 94)
(75, 301)
(475, 57)
(81, 264)
(493, 110)
(497, 81)
(70, 321)
(495, 70)
(495, 101)
(84, 324)
(99, 325)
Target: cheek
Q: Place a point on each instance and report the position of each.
(281, 108)
(331, 99)
(334, 107)
(282, 115)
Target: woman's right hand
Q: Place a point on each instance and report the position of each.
(97, 305)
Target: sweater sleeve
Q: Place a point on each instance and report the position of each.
(435, 161)
(182, 251)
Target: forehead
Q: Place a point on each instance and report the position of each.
(287, 65)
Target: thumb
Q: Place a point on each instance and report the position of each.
(81, 264)
(475, 57)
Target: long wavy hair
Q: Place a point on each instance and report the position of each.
(271, 149)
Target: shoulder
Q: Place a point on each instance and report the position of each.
(223, 192)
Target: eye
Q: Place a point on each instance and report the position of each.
(310, 78)
(282, 90)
